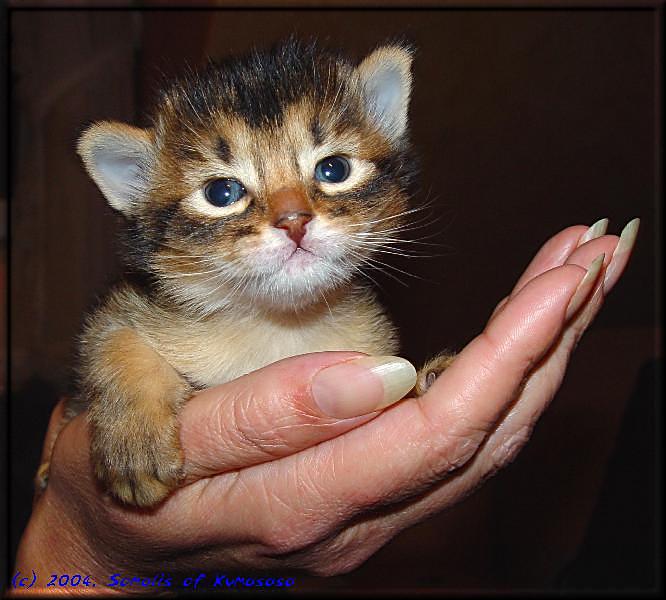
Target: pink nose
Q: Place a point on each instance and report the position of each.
(291, 210)
(294, 223)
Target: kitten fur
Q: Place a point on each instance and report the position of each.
(233, 288)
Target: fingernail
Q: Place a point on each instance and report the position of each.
(585, 286)
(362, 385)
(621, 254)
(595, 231)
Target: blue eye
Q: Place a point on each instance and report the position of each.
(223, 192)
(333, 169)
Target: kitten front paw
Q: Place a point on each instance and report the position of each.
(139, 466)
(431, 371)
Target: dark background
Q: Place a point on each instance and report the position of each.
(527, 121)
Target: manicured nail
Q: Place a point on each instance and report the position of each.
(362, 385)
(621, 254)
(595, 231)
(585, 286)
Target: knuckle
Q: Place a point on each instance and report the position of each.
(242, 427)
(452, 451)
(461, 447)
(349, 549)
(279, 426)
(490, 349)
(283, 540)
(501, 352)
(339, 566)
(508, 448)
(247, 424)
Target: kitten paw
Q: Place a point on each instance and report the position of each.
(138, 471)
(431, 371)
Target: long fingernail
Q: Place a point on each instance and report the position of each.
(595, 231)
(621, 254)
(362, 385)
(585, 286)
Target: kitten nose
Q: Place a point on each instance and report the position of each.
(292, 211)
(294, 223)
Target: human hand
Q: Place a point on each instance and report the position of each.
(273, 483)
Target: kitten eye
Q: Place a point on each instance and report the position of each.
(333, 169)
(223, 192)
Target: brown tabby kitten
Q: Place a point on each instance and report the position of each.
(252, 203)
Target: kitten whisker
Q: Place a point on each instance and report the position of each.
(370, 265)
(405, 227)
(375, 264)
(395, 243)
(396, 216)
(398, 241)
(378, 264)
(179, 255)
(418, 241)
(323, 297)
(364, 274)
(389, 250)
(197, 274)
(424, 220)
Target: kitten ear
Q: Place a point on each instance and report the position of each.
(117, 156)
(387, 83)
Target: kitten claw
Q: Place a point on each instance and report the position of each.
(430, 371)
(430, 378)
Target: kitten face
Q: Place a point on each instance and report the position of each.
(230, 197)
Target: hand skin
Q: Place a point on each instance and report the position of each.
(273, 484)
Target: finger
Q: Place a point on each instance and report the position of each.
(597, 255)
(55, 426)
(553, 253)
(53, 430)
(556, 252)
(517, 425)
(287, 406)
(621, 254)
(618, 252)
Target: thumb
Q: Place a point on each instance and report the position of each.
(287, 406)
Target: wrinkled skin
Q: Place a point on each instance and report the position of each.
(272, 483)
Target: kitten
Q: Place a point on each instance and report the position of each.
(251, 203)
